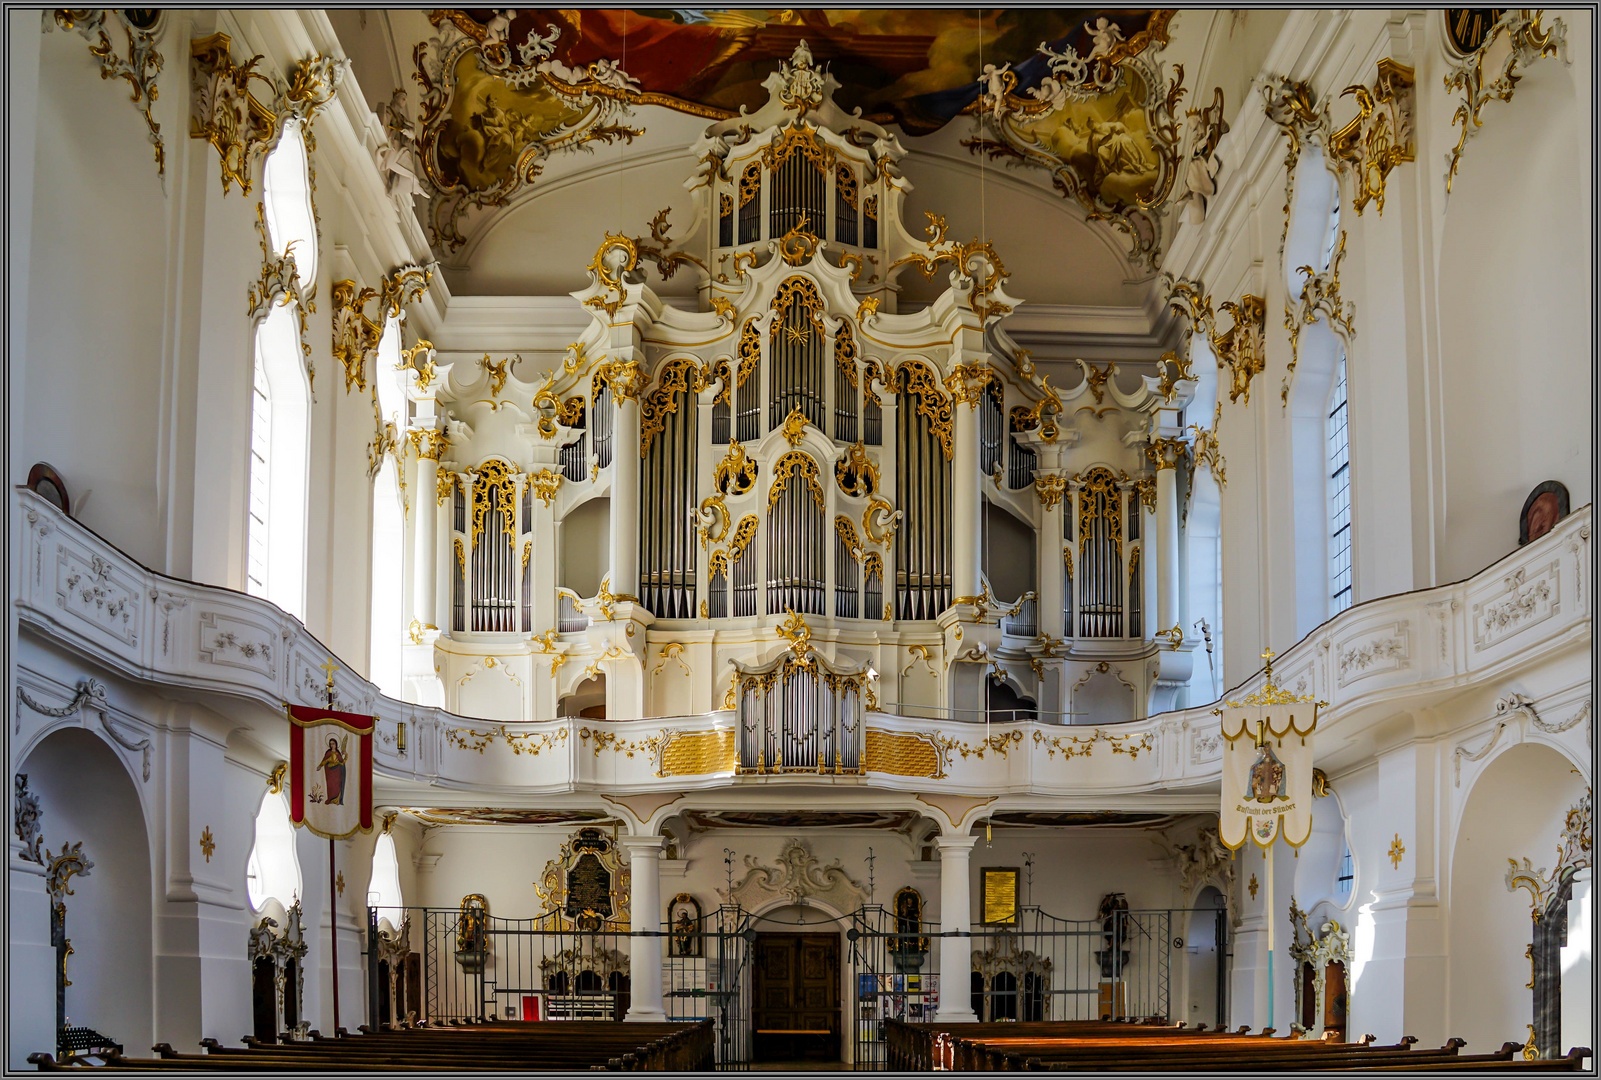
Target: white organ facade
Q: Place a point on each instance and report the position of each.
(791, 445)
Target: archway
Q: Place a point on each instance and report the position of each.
(85, 794)
(798, 984)
(1205, 949)
(1515, 809)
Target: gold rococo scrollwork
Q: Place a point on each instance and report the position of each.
(1050, 489)
(792, 463)
(500, 476)
(916, 378)
(736, 473)
(139, 69)
(678, 376)
(856, 473)
(1380, 136)
(1527, 42)
(1320, 294)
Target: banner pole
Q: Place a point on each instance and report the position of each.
(333, 929)
(1270, 913)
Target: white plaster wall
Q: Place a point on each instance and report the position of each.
(1514, 810)
(1515, 284)
(86, 795)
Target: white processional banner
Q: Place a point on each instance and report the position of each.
(330, 771)
(1267, 768)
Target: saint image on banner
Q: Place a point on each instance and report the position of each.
(333, 771)
(1267, 766)
(1267, 775)
(330, 771)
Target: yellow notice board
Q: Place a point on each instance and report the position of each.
(1000, 895)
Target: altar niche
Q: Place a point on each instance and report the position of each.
(796, 1015)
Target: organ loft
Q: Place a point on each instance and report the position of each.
(797, 451)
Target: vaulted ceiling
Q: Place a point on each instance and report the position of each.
(673, 71)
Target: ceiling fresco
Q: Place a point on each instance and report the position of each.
(915, 67)
(1076, 92)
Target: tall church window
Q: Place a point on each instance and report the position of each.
(388, 526)
(273, 870)
(275, 542)
(383, 893)
(1339, 496)
(280, 404)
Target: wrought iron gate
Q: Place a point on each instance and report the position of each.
(1046, 968)
(891, 977)
(707, 972)
(546, 968)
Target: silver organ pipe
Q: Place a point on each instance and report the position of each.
(845, 205)
(494, 545)
(748, 380)
(796, 352)
(872, 419)
(574, 461)
(872, 585)
(1135, 591)
(667, 552)
(795, 540)
(458, 558)
(1020, 474)
(846, 382)
(600, 428)
(1100, 546)
(744, 581)
(923, 581)
(750, 204)
(796, 718)
(991, 430)
(725, 220)
(846, 545)
(800, 189)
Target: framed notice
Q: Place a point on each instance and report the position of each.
(1000, 895)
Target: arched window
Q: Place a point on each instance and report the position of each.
(388, 529)
(383, 893)
(1339, 495)
(1346, 879)
(273, 872)
(275, 559)
(280, 403)
(286, 192)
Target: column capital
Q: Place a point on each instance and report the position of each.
(1050, 489)
(966, 382)
(626, 378)
(642, 846)
(429, 443)
(1167, 453)
(962, 844)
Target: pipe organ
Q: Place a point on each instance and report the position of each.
(795, 450)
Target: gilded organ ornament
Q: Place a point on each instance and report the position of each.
(855, 472)
(139, 68)
(1380, 136)
(1528, 42)
(736, 473)
(1320, 295)
(1101, 123)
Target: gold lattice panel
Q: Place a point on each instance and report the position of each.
(902, 755)
(693, 753)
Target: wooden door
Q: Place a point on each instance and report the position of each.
(796, 1008)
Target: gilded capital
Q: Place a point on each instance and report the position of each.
(1050, 490)
(966, 383)
(430, 443)
(626, 379)
(1167, 453)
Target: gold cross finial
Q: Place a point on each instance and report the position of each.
(330, 667)
(1268, 654)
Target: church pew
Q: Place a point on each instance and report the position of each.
(498, 1048)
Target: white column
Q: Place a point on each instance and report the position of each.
(1166, 453)
(425, 564)
(966, 522)
(955, 918)
(1148, 563)
(625, 492)
(1052, 570)
(645, 917)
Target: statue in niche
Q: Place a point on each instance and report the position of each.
(684, 915)
(1546, 505)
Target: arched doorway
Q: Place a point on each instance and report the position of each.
(86, 795)
(1516, 808)
(797, 986)
(1205, 951)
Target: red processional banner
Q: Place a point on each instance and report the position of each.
(330, 771)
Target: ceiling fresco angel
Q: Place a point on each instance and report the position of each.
(913, 67)
(1070, 90)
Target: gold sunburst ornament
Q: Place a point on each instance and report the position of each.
(1397, 849)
